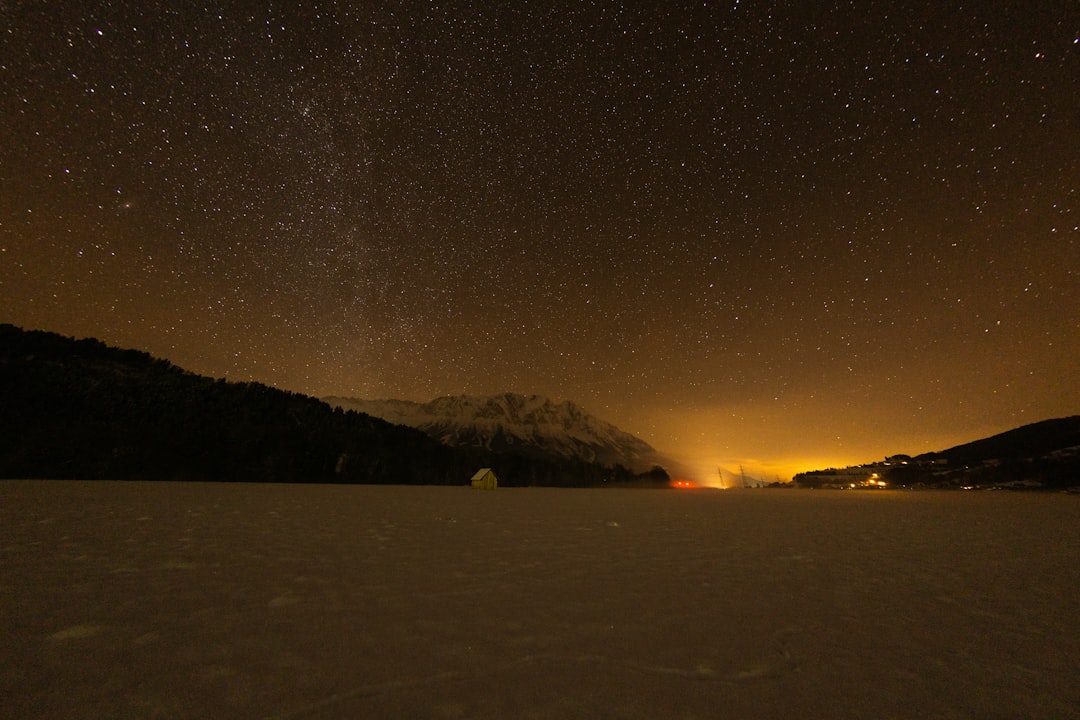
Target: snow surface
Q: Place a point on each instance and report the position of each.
(163, 600)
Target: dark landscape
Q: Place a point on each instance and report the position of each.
(79, 409)
(314, 579)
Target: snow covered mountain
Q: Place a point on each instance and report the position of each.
(524, 423)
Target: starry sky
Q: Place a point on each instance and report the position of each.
(778, 235)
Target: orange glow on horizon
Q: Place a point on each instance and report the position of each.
(744, 444)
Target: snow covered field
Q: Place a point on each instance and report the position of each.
(162, 600)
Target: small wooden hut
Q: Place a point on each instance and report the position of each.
(484, 479)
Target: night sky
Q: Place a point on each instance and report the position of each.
(783, 235)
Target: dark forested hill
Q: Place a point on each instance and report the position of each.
(81, 409)
(1034, 440)
(1040, 455)
(78, 408)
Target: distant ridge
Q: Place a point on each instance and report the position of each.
(528, 424)
(1036, 439)
(1041, 455)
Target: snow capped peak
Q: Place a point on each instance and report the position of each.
(510, 421)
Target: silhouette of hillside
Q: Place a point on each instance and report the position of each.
(1037, 439)
(1042, 455)
(81, 409)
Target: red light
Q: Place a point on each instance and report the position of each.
(682, 484)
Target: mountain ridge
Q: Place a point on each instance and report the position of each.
(515, 422)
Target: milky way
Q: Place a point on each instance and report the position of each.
(747, 232)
